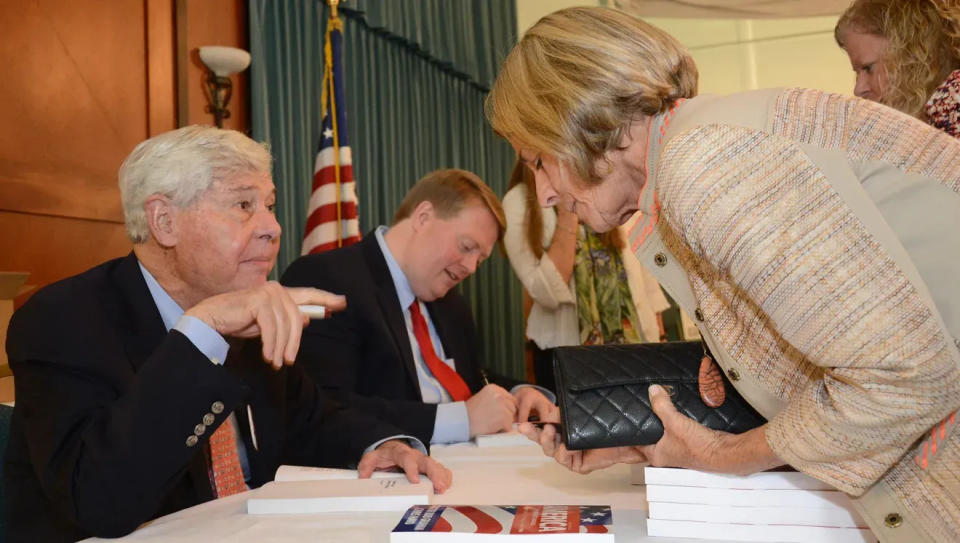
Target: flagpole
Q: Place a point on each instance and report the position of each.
(334, 23)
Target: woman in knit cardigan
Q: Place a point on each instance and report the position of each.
(813, 235)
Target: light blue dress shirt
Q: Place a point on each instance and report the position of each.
(452, 423)
(209, 342)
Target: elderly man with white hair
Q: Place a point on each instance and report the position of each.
(131, 403)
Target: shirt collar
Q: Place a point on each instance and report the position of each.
(400, 282)
(648, 203)
(170, 311)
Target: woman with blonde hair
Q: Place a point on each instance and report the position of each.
(585, 288)
(812, 235)
(906, 54)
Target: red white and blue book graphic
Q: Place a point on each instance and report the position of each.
(590, 521)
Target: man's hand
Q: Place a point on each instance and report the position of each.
(491, 410)
(579, 461)
(269, 311)
(688, 444)
(396, 453)
(531, 400)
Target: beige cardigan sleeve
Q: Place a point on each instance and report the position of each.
(798, 291)
(539, 275)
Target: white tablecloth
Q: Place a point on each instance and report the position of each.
(481, 476)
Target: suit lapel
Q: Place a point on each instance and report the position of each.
(137, 312)
(389, 304)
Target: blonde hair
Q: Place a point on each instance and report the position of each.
(579, 77)
(923, 45)
(449, 191)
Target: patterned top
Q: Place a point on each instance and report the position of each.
(799, 291)
(943, 108)
(605, 309)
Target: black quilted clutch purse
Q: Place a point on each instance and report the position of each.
(602, 393)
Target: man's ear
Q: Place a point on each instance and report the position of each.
(162, 219)
(422, 214)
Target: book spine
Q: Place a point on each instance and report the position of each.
(797, 516)
(745, 532)
(780, 480)
(740, 497)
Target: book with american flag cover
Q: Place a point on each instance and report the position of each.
(483, 523)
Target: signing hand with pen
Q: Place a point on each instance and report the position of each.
(491, 410)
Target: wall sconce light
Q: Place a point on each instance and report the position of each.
(223, 62)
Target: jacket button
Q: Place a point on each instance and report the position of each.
(660, 259)
(209, 419)
(217, 407)
(698, 314)
(893, 520)
(192, 440)
(199, 429)
(733, 374)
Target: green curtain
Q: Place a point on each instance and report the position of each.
(417, 72)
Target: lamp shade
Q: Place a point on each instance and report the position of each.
(223, 60)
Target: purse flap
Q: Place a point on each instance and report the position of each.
(589, 367)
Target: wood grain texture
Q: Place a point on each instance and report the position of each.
(73, 104)
(52, 248)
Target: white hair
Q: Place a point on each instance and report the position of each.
(182, 164)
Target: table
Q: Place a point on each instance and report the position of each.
(481, 476)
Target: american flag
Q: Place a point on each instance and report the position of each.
(332, 214)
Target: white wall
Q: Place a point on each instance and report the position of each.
(741, 54)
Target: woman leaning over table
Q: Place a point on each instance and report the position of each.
(812, 234)
(906, 54)
(586, 288)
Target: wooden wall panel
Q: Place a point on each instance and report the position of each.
(52, 248)
(84, 82)
(73, 104)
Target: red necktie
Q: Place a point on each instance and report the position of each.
(447, 376)
(226, 472)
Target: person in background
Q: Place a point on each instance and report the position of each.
(906, 54)
(586, 288)
(406, 349)
(812, 235)
(163, 379)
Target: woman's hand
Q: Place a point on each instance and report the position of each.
(688, 444)
(579, 461)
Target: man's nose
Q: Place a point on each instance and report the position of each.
(471, 263)
(268, 227)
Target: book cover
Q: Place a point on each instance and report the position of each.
(309, 473)
(548, 523)
(755, 532)
(298, 497)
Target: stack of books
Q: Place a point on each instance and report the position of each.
(767, 506)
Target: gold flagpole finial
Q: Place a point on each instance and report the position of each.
(333, 8)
